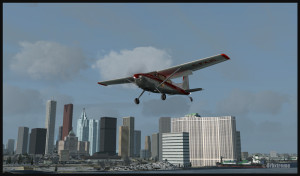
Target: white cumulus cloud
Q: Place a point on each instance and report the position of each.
(128, 62)
(48, 60)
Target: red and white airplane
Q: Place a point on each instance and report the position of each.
(160, 81)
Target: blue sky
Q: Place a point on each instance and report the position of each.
(63, 50)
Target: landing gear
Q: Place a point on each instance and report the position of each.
(163, 96)
(137, 100)
(191, 99)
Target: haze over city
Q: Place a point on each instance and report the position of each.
(63, 50)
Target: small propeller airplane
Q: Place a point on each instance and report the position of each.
(160, 81)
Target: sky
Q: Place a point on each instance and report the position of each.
(62, 50)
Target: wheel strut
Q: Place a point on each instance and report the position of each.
(137, 100)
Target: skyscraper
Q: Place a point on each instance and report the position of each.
(93, 135)
(70, 143)
(98, 136)
(155, 146)
(60, 130)
(50, 125)
(148, 145)
(137, 143)
(123, 141)
(164, 127)
(108, 134)
(238, 146)
(129, 121)
(67, 120)
(37, 141)
(22, 140)
(10, 146)
(83, 127)
(59, 136)
(209, 138)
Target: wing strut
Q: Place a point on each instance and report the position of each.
(169, 77)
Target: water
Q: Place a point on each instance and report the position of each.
(217, 171)
(202, 171)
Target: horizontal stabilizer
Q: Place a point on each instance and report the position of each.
(193, 90)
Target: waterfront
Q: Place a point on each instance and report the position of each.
(193, 171)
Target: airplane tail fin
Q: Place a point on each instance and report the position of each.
(193, 90)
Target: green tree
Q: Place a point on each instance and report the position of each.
(8, 161)
(20, 159)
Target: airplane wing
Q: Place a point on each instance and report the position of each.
(117, 81)
(188, 68)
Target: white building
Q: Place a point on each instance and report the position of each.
(83, 127)
(209, 138)
(273, 154)
(175, 148)
(93, 136)
(50, 125)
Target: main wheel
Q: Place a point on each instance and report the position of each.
(137, 101)
(163, 96)
(191, 99)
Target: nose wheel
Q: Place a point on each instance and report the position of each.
(163, 96)
(191, 99)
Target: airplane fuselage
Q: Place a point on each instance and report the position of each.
(151, 83)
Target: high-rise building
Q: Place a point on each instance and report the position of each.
(10, 146)
(83, 148)
(22, 140)
(67, 119)
(93, 135)
(137, 143)
(50, 125)
(98, 136)
(129, 121)
(108, 134)
(60, 130)
(59, 136)
(164, 127)
(175, 148)
(238, 146)
(148, 145)
(209, 138)
(70, 143)
(123, 141)
(37, 141)
(83, 127)
(155, 146)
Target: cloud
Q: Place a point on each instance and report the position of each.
(171, 106)
(17, 101)
(242, 102)
(48, 60)
(128, 62)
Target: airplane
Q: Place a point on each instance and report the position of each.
(160, 81)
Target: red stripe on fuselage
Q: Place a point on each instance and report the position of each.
(168, 84)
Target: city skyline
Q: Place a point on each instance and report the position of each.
(63, 50)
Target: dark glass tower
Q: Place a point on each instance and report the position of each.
(108, 130)
(37, 141)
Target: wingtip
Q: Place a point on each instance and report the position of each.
(102, 84)
(224, 55)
